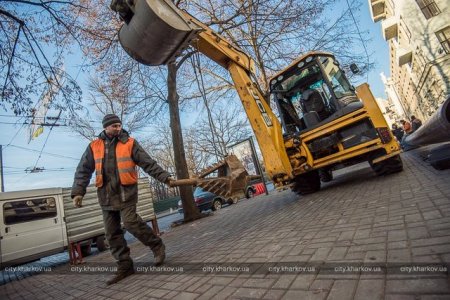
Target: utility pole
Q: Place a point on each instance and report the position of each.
(1, 169)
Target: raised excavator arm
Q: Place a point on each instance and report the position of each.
(326, 124)
(156, 32)
(265, 125)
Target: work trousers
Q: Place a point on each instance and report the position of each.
(134, 224)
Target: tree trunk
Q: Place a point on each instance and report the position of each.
(190, 210)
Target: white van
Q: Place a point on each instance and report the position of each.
(38, 223)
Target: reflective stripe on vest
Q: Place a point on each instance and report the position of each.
(125, 165)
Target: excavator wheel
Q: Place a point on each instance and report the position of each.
(326, 175)
(307, 183)
(388, 166)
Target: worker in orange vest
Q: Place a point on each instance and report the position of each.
(114, 156)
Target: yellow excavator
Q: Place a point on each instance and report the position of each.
(324, 122)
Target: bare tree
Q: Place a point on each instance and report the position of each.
(28, 69)
(275, 32)
(196, 158)
(159, 145)
(230, 127)
(118, 96)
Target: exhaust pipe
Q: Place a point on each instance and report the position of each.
(435, 130)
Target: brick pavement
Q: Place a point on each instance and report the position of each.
(358, 219)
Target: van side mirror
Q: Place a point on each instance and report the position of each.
(354, 68)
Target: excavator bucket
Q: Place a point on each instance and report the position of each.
(230, 183)
(156, 31)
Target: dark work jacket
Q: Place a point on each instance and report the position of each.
(112, 195)
(398, 133)
(415, 124)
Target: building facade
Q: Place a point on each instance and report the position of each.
(389, 111)
(418, 34)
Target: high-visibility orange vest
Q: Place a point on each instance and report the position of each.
(125, 165)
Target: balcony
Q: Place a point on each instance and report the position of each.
(389, 28)
(404, 56)
(377, 9)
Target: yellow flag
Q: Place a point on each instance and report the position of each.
(38, 132)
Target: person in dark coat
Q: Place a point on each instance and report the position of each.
(115, 156)
(415, 123)
(397, 132)
(407, 129)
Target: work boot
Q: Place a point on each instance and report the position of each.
(120, 275)
(160, 255)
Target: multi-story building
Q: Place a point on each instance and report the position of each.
(389, 111)
(418, 34)
(396, 106)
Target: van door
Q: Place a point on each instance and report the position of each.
(31, 228)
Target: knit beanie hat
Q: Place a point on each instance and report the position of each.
(110, 119)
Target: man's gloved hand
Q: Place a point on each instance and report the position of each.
(77, 201)
(168, 181)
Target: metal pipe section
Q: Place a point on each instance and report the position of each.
(435, 130)
(157, 32)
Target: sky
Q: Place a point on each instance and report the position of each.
(62, 149)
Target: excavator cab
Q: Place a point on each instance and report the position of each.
(312, 91)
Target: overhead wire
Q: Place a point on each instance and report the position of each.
(46, 139)
(201, 87)
(360, 37)
(42, 149)
(23, 28)
(43, 152)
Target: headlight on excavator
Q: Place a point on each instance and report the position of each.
(384, 134)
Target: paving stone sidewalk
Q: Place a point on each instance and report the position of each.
(360, 237)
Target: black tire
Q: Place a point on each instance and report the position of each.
(101, 243)
(326, 175)
(85, 250)
(307, 183)
(250, 193)
(388, 166)
(231, 201)
(217, 204)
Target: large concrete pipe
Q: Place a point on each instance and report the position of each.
(435, 130)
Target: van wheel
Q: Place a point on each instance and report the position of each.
(388, 166)
(216, 205)
(86, 250)
(307, 183)
(101, 243)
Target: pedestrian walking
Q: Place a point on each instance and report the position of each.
(406, 126)
(114, 156)
(397, 132)
(415, 123)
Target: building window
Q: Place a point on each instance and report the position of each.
(429, 8)
(444, 38)
(29, 210)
